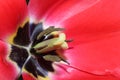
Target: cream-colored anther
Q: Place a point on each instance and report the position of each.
(52, 58)
(55, 33)
(49, 47)
(52, 44)
(61, 40)
(64, 46)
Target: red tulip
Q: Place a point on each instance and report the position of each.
(93, 25)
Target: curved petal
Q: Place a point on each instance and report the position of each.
(96, 45)
(73, 74)
(38, 8)
(97, 56)
(57, 11)
(12, 13)
(66, 10)
(96, 35)
(7, 69)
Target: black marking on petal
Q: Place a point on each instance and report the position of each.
(30, 67)
(19, 55)
(33, 67)
(47, 65)
(35, 30)
(46, 60)
(22, 37)
(27, 1)
(32, 27)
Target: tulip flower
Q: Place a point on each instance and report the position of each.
(59, 40)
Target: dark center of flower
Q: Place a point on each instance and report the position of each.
(35, 49)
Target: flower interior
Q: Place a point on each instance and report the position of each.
(35, 49)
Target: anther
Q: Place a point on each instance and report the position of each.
(70, 40)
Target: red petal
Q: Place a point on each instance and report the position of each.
(73, 74)
(67, 9)
(38, 8)
(96, 56)
(96, 45)
(7, 70)
(26, 76)
(57, 11)
(12, 13)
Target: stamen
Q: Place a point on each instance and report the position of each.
(64, 46)
(47, 31)
(54, 34)
(49, 36)
(42, 49)
(52, 58)
(70, 40)
(52, 44)
(60, 40)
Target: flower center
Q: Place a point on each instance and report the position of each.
(36, 49)
(57, 42)
(51, 39)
